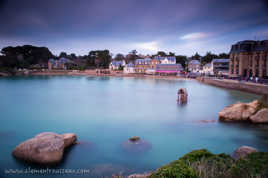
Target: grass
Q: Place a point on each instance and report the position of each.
(204, 164)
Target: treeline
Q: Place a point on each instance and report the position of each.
(29, 56)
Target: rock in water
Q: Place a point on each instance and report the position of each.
(69, 139)
(261, 117)
(238, 111)
(242, 152)
(138, 146)
(134, 139)
(45, 148)
(182, 96)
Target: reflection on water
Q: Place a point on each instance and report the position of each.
(105, 111)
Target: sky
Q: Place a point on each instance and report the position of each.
(181, 26)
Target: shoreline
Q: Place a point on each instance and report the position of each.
(255, 88)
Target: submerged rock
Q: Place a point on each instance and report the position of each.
(242, 152)
(260, 117)
(137, 146)
(238, 111)
(44, 148)
(134, 139)
(207, 121)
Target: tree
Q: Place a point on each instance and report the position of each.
(101, 58)
(161, 53)
(73, 56)
(63, 54)
(25, 56)
(196, 56)
(171, 54)
(119, 57)
(182, 60)
(223, 56)
(208, 58)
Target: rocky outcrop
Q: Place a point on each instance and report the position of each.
(238, 111)
(261, 117)
(182, 96)
(242, 152)
(255, 112)
(45, 148)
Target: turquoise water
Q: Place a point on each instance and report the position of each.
(105, 111)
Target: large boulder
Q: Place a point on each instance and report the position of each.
(45, 148)
(261, 117)
(242, 152)
(239, 111)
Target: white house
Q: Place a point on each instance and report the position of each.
(129, 68)
(115, 65)
(207, 69)
(194, 66)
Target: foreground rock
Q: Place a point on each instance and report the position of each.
(242, 152)
(260, 117)
(45, 148)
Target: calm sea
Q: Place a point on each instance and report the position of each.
(105, 111)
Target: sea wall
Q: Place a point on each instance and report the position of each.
(236, 85)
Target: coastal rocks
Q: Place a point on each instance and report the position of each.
(254, 112)
(182, 96)
(45, 148)
(136, 146)
(238, 111)
(260, 117)
(242, 152)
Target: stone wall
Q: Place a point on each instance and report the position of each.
(236, 85)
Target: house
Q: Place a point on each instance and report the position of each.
(168, 69)
(141, 65)
(166, 59)
(62, 63)
(116, 65)
(207, 69)
(220, 66)
(194, 66)
(129, 68)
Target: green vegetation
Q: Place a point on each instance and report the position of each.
(203, 164)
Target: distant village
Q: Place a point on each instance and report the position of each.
(247, 59)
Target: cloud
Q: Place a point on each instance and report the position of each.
(150, 46)
(195, 36)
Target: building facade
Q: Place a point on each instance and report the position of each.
(249, 59)
(194, 66)
(62, 63)
(129, 68)
(116, 65)
(168, 69)
(141, 65)
(220, 66)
